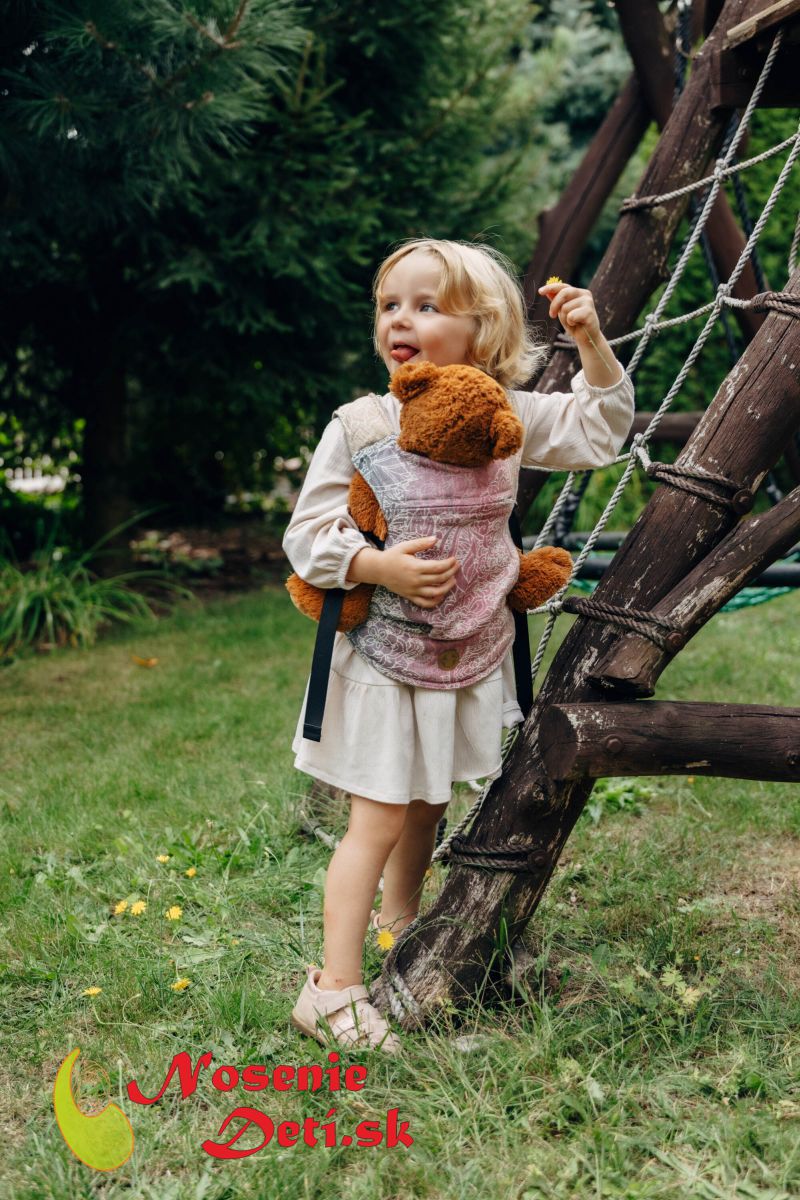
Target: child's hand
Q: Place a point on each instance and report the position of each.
(423, 581)
(574, 308)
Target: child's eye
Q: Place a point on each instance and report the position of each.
(388, 305)
(427, 304)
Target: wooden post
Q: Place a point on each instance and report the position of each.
(445, 955)
(564, 229)
(636, 260)
(635, 663)
(736, 741)
(649, 45)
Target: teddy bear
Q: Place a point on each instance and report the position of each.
(459, 416)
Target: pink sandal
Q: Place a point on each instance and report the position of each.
(345, 1017)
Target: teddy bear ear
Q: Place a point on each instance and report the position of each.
(506, 433)
(412, 379)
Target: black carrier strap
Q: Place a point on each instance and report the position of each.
(522, 644)
(323, 652)
(321, 664)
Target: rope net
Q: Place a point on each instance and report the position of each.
(638, 456)
(570, 494)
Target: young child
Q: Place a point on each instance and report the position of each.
(394, 747)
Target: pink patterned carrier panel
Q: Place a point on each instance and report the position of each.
(469, 633)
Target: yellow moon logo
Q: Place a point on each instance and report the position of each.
(104, 1140)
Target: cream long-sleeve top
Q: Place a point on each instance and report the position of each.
(574, 430)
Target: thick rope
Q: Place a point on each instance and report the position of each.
(493, 857)
(782, 302)
(632, 620)
(720, 172)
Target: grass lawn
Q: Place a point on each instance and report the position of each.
(655, 1051)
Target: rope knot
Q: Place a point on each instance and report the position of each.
(639, 450)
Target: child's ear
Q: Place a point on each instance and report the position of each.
(412, 379)
(506, 433)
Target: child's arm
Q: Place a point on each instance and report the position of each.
(587, 426)
(322, 539)
(575, 309)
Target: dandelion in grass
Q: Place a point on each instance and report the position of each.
(162, 858)
(92, 991)
(120, 907)
(180, 985)
(385, 939)
(174, 913)
(191, 872)
(138, 907)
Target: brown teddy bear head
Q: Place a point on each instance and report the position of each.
(454, 414)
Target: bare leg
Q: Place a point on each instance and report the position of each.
(350, 886)
(404, 873)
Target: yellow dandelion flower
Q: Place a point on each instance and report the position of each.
(385, 939)
(235, 941)
(120, 907)
(162, 858)
(180, 985)
(138, 908)
(553, 279)
(690, 778)
(92, 991)
(175, 913)
(191, 872)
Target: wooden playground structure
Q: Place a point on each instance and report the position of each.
(693, 547)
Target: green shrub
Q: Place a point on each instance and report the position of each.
(56, 600)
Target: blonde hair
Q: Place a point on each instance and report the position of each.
(478, 281)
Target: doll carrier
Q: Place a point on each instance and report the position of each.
(470, 511)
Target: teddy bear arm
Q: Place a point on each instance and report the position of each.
(309, 600)
(364, 507)
(542, 573)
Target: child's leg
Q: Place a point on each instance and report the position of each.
(350, 886)
(404, 873)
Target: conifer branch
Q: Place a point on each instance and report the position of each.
(225, 42)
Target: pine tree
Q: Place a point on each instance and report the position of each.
(199, 191)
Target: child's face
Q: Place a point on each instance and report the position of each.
(412, 326)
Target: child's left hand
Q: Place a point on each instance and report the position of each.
(574, 308)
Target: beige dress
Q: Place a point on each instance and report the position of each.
(389, 741)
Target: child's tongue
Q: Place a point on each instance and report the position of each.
(403, 353)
